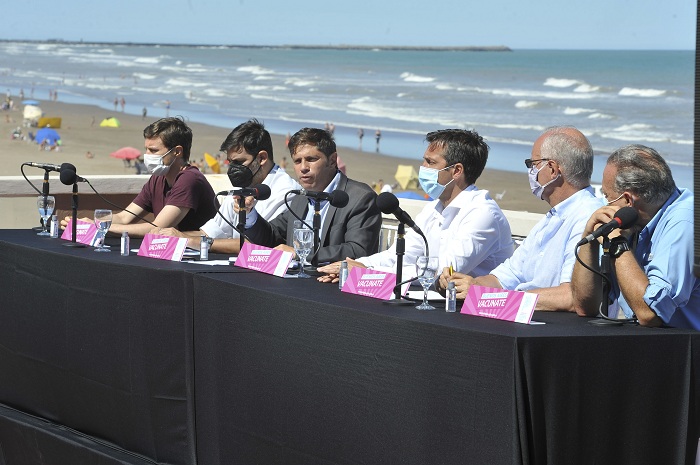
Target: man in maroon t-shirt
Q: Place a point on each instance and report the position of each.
(177, 193)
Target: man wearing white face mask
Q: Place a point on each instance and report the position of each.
(559, 173)
(463, 222)
(177, 193)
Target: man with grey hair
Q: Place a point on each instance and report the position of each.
(559, 173)
(652, 261)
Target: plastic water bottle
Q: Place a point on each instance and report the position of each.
(451, 298)
(125, 244)
(343, 274)
(204, 248)
(54, 226)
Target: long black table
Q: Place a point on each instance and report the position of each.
(134, 360)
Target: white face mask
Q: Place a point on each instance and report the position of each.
(154, 163)
(535, 186)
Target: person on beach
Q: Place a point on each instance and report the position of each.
(360, 135)
(377, 137)
(116, 103)
(652, 261)
(248, 149)
(350, 230)
(463, 221)
(560, 171)
(177, 193)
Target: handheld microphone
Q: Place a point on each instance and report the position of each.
(389, 204)
(337, 198)
(45, 166)
(623, 219)
(259, 191)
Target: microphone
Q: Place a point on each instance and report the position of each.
(623, 219)
(337, 198)
(45, 166)
(68, 175)
(259, 191)
(389, 204)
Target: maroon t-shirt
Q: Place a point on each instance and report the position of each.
(190, 190)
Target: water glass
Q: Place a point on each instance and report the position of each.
(103, 220)
(427, 270)
(46, 204)
(303, 244)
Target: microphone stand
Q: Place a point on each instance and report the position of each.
(45, 194)
(241, 221)
(74, 207)
(400, 251)
(606, 270)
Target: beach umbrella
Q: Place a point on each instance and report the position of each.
(49, 135)
(406, 176)
(126, 153)
(30, 102)
(32, 112)
(110, 123)
(412, 196)
(213, 163)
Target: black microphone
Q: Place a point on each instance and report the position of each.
(259, 191)
(337, 198)
(389, 204)
(45, 166)
(623, 219)
(68, 176)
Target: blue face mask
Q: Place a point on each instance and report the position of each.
(428, 179)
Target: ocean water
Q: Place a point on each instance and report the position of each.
(614, 97)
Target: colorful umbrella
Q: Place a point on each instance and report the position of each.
(213, 163)
(110, 123)
(126, 153)
(47, 134)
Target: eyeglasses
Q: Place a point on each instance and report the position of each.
(529, 163)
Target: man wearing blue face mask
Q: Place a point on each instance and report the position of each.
(464, 227)
(559, 172)
(249, 152)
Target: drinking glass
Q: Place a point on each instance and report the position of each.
(103, 220)
(46, 204)
(427, 269)
(303, 243)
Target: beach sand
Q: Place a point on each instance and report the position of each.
(81, 132)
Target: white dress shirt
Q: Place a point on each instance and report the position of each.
(546, 257)
(472, 226)
(279, 182)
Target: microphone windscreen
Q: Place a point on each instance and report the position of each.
(387, 202)
(67, 176)
(264, 191)
(68, 166)
(339, 199)
(627, 216)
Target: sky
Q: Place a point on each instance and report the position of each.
(518, 24)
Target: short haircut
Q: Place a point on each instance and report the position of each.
(250, 136)
(173, 132)
(461, 146)
(319, 138)
(642, 171)
(572, 151)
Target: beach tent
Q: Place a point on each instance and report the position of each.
(47, 134)
(110, 123)
(213, 163)
(53, 122)
(32, 113)
(406, 176)
(126, 153)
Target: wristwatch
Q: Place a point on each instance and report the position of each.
(618, 246)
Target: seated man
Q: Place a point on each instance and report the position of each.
(248, 145)
(651, 262)
(351, 230)
(560, 174)
(463, 225)
(177, 193)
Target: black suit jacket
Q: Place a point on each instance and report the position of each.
(351, 231)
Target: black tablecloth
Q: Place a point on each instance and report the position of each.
(167, 362)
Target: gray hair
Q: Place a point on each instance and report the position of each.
(572, 151)
(642, 171)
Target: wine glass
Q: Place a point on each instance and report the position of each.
(303, 243)
(427, 268)
(103, 220)
(46, 204)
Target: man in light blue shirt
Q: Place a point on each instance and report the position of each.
(651, 262)
(559, 173)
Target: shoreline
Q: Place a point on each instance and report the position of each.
(80, 132)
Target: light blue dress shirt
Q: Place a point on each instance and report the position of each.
(665, 252)
(546, 256)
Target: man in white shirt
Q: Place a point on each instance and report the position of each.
(249, 153)
(559, 173)
(463, 225)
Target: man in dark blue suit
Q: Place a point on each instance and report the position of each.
(351, 231)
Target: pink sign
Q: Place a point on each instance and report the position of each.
(500, 304)
(163, 247)
(85, 232)
(264, 259)
(370, 283)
